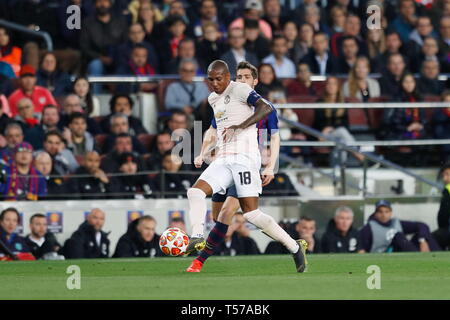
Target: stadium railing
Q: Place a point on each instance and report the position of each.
(37, 33)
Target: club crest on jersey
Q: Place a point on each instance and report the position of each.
(219, 114)
(227, 99)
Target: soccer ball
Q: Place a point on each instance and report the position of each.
(173, 242)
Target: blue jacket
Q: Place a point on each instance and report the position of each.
(15, 242)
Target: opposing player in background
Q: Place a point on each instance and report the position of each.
(238, 162)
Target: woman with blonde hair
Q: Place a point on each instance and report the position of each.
(376, 45)
(359, 85)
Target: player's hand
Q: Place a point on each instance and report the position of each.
(229, 133)
(267, 176)
(198, 161)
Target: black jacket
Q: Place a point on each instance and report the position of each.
(83, 245)
(89, 187)
(239, 246)
(444, 210)
(334, 241)
(132, 245)
(50, 245)
(310, 59)
(135, 124)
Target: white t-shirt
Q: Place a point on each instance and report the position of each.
(233, 107)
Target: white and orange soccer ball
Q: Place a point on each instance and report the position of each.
(173, 242)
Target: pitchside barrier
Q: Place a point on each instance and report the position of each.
(64, 217)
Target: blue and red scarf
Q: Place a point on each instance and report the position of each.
(13, 184)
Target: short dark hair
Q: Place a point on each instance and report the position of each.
(113, 101)
(36, 215)
(248, 65)
(178, 112)
(146, 218)
(10, 209)
(49, 106)
(345, 38)
(53, 133)
(306, 218)
(177, 219)
(139, 46)
(277, 37)
(123, 135)
(251, 24)
(76, 115)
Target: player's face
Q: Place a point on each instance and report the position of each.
(245, 76)
(146, 229)
(383, 214)
(343, 221)
(38, 227)
(9, 222)
(218, 80)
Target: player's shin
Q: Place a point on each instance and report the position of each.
(197, 211)
(215, 239)
(271, 228)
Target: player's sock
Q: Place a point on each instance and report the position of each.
(270, 227)
(197, 211)
(215, 238)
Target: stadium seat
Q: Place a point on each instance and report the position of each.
(100, 140)
(99, 119)
(146, 140)
(161, 93)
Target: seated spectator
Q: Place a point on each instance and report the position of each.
(28, 89)
(283, 66)
(306, 229)
(252, 10)
(137, 66)
(255, 42)
(186, 94)
(133, 184)
(383, 233)
(237, 239)
(302, 43)
(73, 104)
(94, 184)
(390, 81)
(211, 46)
(442, 234)
(423, 29)
(359, 85)
(340, 236)
(303, 85)
(186, 51)
(98, 33)
(55, 184)
(50, 77)
(163, 144)
(26, 117)
(349, 54)
(89, 103)
(444, 41)
(9, 220)
(337, 18)
(23, 180)
(49, 122)
(274, 16)
(311, 15)
(175, 184)
(352, 28)
(237, 52)
(429, 51)
(42, 243)
(9, 53)
(122, 103)
(319, 58)
(170, 40)
(177, 222)
(429, 83)
(140, 240)
(207, 14)
(406, 20)
(376, 45)
(148, 15)
(13, 136)
(78, 140)
(122, 143)
(89, 241)
(267, 80)
(120, 125)
(441, 126)
(64, 161)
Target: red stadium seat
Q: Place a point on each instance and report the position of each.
(305, 116)
(162, 87)
(146, 140)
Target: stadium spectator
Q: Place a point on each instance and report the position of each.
(89, 241)
(148, 16)
(49, 122)
(319, 58)
(444, 40)
(312, 16)
(140, 240)
(441, 126)
(98, 33)
(42, 243)
(376, 46)
(274, 16)
(64, 161)
(178, 120)
(383, 233)
(94, 184)
(28, 89)
(340, 235)
(207, 14)
(237, 239)
(186, 50)
(8, 52)
(120, 125)
(211, 46)
(237, 51)
(423, 29)
(186, 94)
(406, 20)
(429, 83)
(306, 229)
(49, 76)
(175, 184)
(78, 139)
(55, 184)
(255, 42)
(89, 103)
(9, 220)
(26, 117)
(133, 184)
(122, 103)
(352, 28)
(349, 54)
(429, 51)
(442, 234)
(13, 136)
(337, 19)
(303, 43)
(267, 80)
(283, 66)
(252, 10)
(122, 143)
(177, 222)
(390, 81)
(163, 144)
(303, 85)
(23, 181)
(73, 104)
(394, 45)
(169, 42)
(359, 85)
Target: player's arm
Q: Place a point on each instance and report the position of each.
(208, 143)
(268, 174)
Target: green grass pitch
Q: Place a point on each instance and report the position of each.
(329, 276)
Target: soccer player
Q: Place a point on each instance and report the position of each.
(238, 162)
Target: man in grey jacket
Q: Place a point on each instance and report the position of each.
(79, 141)
(64, 161)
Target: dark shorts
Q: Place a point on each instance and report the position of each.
(231, 192)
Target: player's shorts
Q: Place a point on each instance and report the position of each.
(231, 192)
(240, 170)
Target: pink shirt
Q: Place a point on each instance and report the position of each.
(40, 98)
(264, 27)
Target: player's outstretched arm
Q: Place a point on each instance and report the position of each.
(208, 143)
